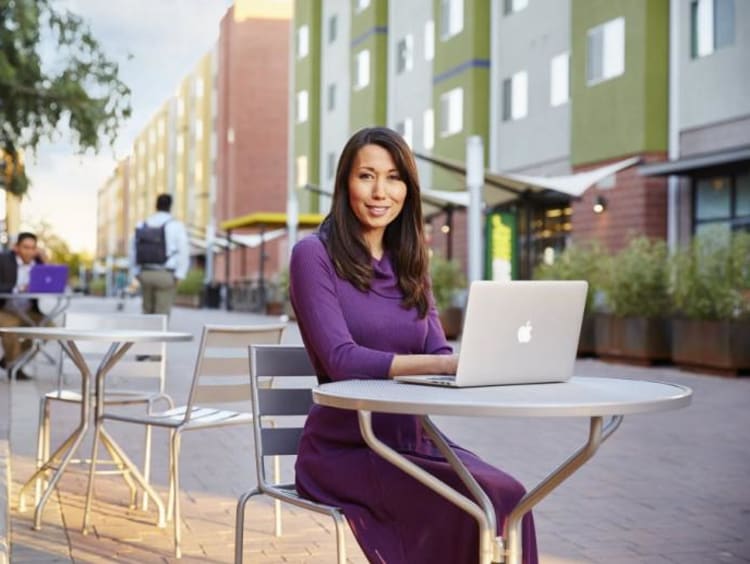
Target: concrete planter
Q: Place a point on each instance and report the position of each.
(452, 319)
(718, 345)
(187, 300)
(636, 339)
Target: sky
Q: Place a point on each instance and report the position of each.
(165, 38)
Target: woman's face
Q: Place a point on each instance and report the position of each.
(376, 191)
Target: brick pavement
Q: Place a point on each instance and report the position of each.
(666, 488)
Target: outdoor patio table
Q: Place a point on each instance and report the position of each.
(121, 340)
(61, 305)
(595, 398)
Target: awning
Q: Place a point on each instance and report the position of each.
(239, 240)
(696, 163)
(265, 220)
(506, 187)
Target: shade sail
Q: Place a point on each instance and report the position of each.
(506, 187)
(253, 240)
(269, 220)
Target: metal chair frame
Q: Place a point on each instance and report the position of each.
(220, 377)
(269, 365)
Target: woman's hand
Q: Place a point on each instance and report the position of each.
(416, 364)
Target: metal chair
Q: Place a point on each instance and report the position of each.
(138, 378)
(268, 366)
(220, 378)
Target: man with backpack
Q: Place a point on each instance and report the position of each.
(160, 257)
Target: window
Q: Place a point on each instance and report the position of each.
(515, 96)
(711, 26)
(606, 51)
(362, 69)
(429, 40)
(331, 104)
(198, 130)
(302, 106)
(451, 18)
(512, 6)
(301, 170)
(428, 129)
(332, 28)
(722, 201)
(198, 87)
(404, 53)
(303, 46)
(406, 129)
(362, 4)
(559, 84)
(452, 112)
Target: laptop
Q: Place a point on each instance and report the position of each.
(48, 278)
(523, 332)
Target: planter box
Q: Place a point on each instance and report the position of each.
(187, 300)
(633, 338)
(721, 345)
(452, 321)
(587, 340)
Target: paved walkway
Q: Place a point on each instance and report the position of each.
(666, 488)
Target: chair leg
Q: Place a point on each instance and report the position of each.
(170, 479)
(40, 446)
(175, 464)
(277, 503)
(147, 457)
(239, 526)
(340, 538)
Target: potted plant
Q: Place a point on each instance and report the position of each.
(447, 281)
(579, 262)
(189, 289)
(277, 293)
(711, 294)
(636, 289)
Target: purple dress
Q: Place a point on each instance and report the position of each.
(354, 335)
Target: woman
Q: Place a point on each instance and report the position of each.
(360, 289)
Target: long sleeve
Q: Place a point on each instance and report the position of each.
(322, 321)
(436, 343)
(182, 256)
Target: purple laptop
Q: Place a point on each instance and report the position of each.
(48, 278)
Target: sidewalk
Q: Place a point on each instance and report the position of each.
(666, 488)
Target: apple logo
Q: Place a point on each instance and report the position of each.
(524, 333)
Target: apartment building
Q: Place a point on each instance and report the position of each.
(553, 87)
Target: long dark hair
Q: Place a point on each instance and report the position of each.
(403, 238)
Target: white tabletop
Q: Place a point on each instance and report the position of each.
(580, 396)
(112, 335)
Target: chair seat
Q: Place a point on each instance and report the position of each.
(200, 417)
(114, 397)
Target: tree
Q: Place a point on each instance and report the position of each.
(80, 86)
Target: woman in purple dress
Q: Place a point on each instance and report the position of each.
(361, 292)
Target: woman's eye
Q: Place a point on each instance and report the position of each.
(394, 178)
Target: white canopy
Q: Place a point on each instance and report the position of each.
(505, 187)
(252, 241)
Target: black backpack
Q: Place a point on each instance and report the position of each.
(151, 244)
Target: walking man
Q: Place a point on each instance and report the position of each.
(160, 257)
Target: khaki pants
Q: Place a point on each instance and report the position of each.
(158, 289)
(12, 345)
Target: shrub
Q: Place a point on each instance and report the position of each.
(636, 280)
(447, 279)
(711, 276)
(192, 285)
(576, 262)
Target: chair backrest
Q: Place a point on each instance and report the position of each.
(221, 371)
(281, 381)
(142, 361)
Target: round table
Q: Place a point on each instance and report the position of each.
(591, 397)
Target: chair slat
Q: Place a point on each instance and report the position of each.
(282, 361)
(225, 366)
(218, 338)
(225, 393)
(284, 401)
(281, 441)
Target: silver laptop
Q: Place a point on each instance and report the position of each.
(523, 332)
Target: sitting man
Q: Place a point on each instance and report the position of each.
(15, 270)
